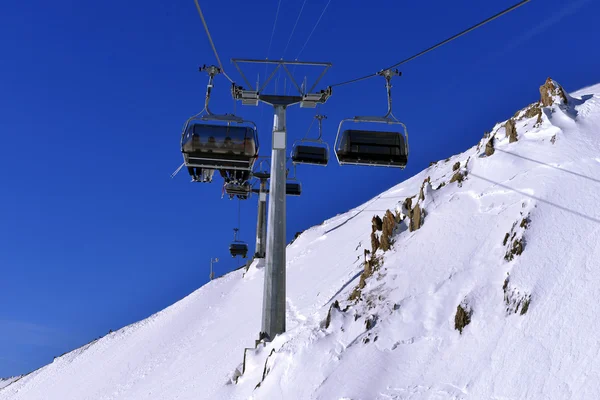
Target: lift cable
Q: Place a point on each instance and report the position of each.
(307, 39)
(293, 29)
(211, 41)
(239, 213)
(274, 26)
(436, 45)
(313, 29)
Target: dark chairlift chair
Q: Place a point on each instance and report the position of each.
(238, 248)
(230, 147)
(241, 190)
(293, 188)
(222, 142)
(311, 151)
(374, 148)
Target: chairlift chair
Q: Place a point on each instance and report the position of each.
(387, 148)
(210, 141)
(311, 151)
(292, 186)
(231, 146)
(237, 247)
(241, 190)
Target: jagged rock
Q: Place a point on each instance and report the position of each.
(407, 203)
(416, 220)
(515, 250)
(515, 300)
(505, 239)
(462, 317)
(511, 130)
(549, 91)
(389, 224)
(370, 322)
(377, 223)
(441, 186)
(456, 166)
(375, 243)
(457, 177)
(533, 111)
(489, 147)
(371, 266)
(335, 305)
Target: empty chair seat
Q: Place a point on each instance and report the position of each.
(372, 148)
(293, 188)
(303, 154)
(238, 249)
(219, 146)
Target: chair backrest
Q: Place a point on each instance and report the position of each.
(222, 138)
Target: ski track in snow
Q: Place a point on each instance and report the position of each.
(191, 350)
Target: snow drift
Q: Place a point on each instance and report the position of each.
(488, 290)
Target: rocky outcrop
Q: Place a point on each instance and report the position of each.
(462, 317)
(516, 301)
(389, 225)
(551, 92)
(511, 130)
(489, 147)
(376, 225)
(515, 240)
(416, 219)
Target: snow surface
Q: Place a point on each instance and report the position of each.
(7, 381)
(550, 177)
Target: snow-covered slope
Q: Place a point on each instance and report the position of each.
(7, 381)
(514, 241)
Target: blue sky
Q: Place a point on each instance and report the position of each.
(94, 235)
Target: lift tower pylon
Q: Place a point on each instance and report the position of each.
(274, 295)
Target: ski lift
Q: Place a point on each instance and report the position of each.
(242, 190)
(311, 151)
(387, 148)
(292, 186)
(237, 247)
(210, 141)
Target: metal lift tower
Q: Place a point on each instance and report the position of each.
(273, 315)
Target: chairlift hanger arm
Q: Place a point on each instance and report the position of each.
(256, 61)
(464, 32)
(307, 99)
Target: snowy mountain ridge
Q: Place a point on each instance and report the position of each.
(474, 279)
(7, 381)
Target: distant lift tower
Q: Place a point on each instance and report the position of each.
(212, 274)
(273, 315)
(261, 223)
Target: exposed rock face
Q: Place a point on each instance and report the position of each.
(377, 223)
(457, 177)
(389, 224)
(511, 130)
(462, 317)
(516, 301)
(416, 220)
(408, 204)
(456, 166)
(550, 91)
(335, 305)
(375, 243)
(489, 147)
